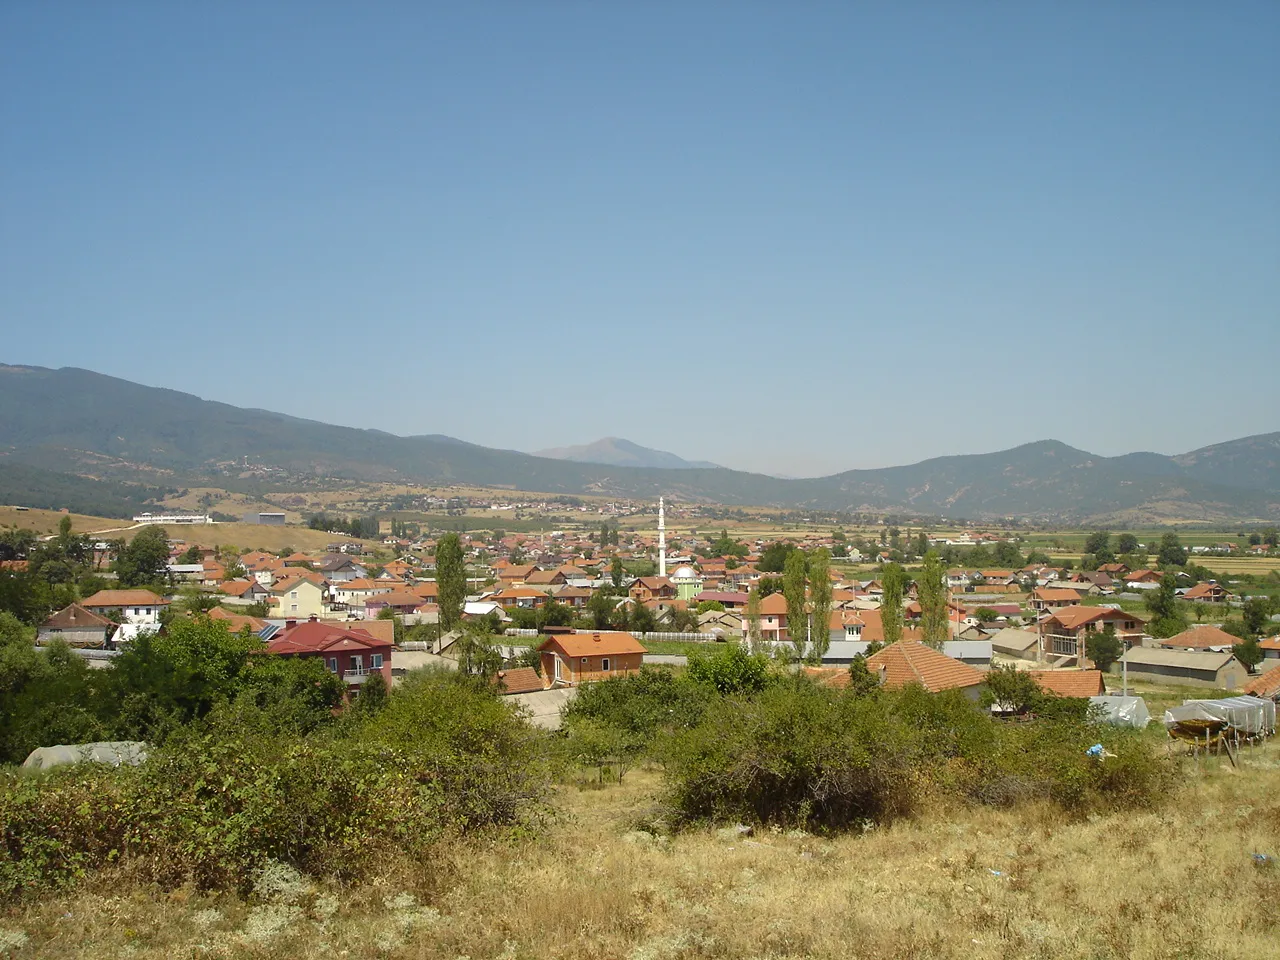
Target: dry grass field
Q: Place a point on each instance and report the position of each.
(46, 521)
(967, 882)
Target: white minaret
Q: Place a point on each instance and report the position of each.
(662, 539)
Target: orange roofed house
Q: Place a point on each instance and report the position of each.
(1066, 630)
(569, 659)
(910, 661)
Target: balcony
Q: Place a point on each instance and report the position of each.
(358, 675)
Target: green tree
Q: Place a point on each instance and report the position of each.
(1167, 620)
(373, 695)
(893, 580)
(600, 609)
(932, 589)
(1257, 614)
(794, 577)
(640, 619)
(1010, 690)
(1006, 554)
(755, 637)
(1126, 543)
(773, 559)
(862, 682)
(144, 561)
(1103, 647)
(1098, 544)
(616, 572)
(451, 581)
(729, 669)
(193, 554)
(820, 601)
(1248, 652)
(1172, 552)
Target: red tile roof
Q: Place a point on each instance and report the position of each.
(314, 636)
(75, 616)
(910, 661)
(519, 680)
(605, 643)
(1266, 685)
(1200, 638)
(104, 599)
(1070, 683)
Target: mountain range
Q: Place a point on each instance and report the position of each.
(76, 422)
(617, 452)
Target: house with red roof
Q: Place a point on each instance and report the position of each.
(133, 606)
(1207, 592)
(1070, 683)
(1066, 630)
(569, 658)
(352, 653)
(910, 661)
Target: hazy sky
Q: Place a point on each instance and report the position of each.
(792, 237)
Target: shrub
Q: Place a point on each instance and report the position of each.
(224, 796)
(652, 701)
(802, 755)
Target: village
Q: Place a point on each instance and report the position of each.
(560, 609)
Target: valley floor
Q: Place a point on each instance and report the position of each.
(974, 883)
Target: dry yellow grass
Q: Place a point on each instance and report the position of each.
(46, 521)
(971, 883)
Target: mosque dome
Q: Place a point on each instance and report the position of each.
(684, 573)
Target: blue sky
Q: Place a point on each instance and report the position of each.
(795, 238)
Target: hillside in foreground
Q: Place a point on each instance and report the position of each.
(957, 883)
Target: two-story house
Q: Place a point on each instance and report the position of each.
(352, 653)
(133, 606)
(1066, 630)
(298, 597)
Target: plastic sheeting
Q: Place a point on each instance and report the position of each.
(1249, 716)
(113, 752)
(1124, 711)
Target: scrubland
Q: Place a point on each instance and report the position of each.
(952, 881)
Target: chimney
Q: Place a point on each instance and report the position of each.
(290, 624)
(884, 673)
(311, 619)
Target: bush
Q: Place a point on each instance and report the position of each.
(803, 755)
(653, 701)
(224, 796)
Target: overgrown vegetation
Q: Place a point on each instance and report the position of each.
(228, 793)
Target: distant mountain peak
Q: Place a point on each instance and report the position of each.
(620, 452)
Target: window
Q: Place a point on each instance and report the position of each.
(293, 607)
(293, 595)
(357, 662)
(333, 664)
(604, 664)
(375, 661)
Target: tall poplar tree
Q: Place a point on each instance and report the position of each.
(451, 581)
(933, 601)
(794, 576)
(755, 637)
(820, 603)
(893, 579)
